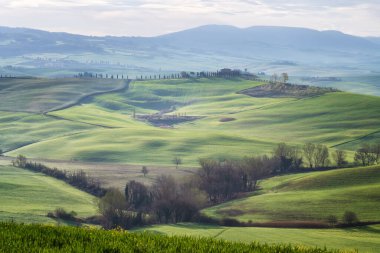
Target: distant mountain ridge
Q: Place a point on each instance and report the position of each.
(19, 41)
(298, 51)
(274, 35)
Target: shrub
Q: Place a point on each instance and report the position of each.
(350, 217)
(332, 220)
(61, 213)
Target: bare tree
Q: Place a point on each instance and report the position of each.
(284, 77)
(177, 161)
(144, 170)
(20, 161)
(288, 157)
(376, 151)
(274, 78)
(321, 156)
(365, 155)
(253, 169)
(308, 152)
(137, 196)
(339, 157)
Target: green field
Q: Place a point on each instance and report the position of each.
(89, 124)
(37, 238)
(309, 197)
(27, 197)
(365, 239)
(103, 129)
(42, 95)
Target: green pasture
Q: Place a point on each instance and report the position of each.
(19, 129)
(104, 130)
(42, 95)
(38, 238)
(309, 197)
(364, 239)
(27, 197)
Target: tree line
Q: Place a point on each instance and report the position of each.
(79, 179)
(170, 201)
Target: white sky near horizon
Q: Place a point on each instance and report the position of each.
(155, 17)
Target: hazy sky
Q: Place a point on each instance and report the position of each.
(153, 17)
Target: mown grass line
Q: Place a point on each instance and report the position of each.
(353, 140)
(83, 98)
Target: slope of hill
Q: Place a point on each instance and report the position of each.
(363, 239)
(112, 134)
(309, 197)
(35, 95)
(232, 39)
(36, 238)
(28, 197)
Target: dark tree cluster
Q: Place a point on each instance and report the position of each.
(100, 75)
(225, 180)
(170, 201)
(368, 155)
(166, 201)
(78, 179)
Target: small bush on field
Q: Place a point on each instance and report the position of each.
(350, 217)
(61, 213)
(332, 220)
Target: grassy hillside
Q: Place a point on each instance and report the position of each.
(237, 122)
(41, 95)
(19, 129)
(365, 239)
(309, 196)
(27, 197)
(35, 238)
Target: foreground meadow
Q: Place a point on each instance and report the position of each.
(37, 238)
(363, 239)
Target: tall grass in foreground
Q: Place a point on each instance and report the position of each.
(40, 238)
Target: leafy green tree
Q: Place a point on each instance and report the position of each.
(112, 207)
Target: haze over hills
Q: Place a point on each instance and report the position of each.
(300, 52)
(259, 42)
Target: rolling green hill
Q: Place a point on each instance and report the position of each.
(36, 95)
(309, 197)
(225, 120)
(365, 239)
(28, 197)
